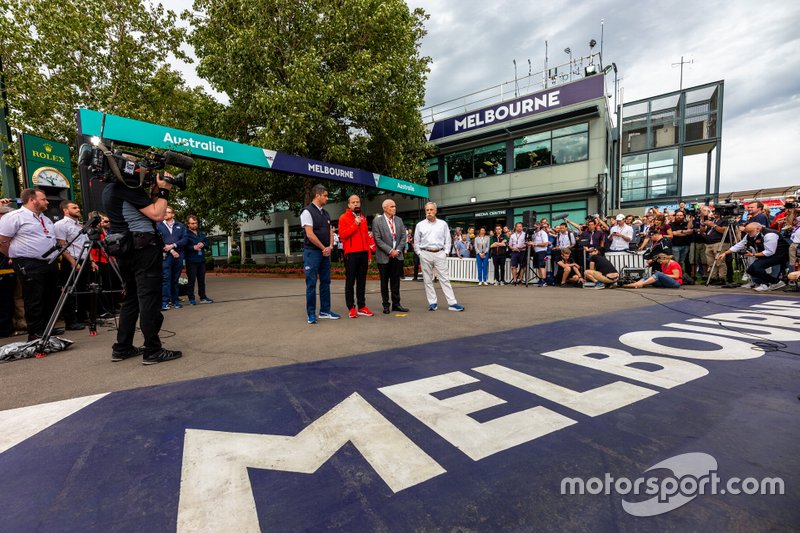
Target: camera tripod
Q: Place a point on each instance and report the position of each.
(729, 238)
(95, 289)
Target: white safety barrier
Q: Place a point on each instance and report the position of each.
(622, 260)
(467, 269)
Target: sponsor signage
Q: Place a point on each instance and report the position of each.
(46, 162)
(129, 131)
(555, 98)
(495, 213)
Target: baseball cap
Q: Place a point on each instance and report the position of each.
(620, 217)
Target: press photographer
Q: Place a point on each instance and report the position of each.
(135, 201)
(768, 249)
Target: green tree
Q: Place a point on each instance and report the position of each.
(340, 81)
(110, 56)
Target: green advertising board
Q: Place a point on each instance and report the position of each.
(46, 163)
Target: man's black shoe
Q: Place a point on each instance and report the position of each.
(56, 331)
(32, 337)
(386, 309)
(76, 326)
(398, 307)
(161, 356)
(121, 355)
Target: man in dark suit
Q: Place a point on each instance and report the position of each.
(390, 237)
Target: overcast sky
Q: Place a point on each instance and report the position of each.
(753, 46)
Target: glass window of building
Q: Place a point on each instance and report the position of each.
(432, 166)
(571, 144)
(458, 166)
(489, 160)
(664, 121)
(562, 145)
(576, 211)
(532, 151)
(651, 175)
(219, 246)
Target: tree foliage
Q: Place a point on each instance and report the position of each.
(335, 80)
(340, 81)
(109, 56)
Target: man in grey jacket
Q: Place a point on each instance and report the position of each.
(390, 237)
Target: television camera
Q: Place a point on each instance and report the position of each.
(729, 213)
(132, 169)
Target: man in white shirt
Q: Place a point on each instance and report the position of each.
(68, 231)
(540, 242)
(431, 242)
(516, 243)
(621, 235)
(27, 236)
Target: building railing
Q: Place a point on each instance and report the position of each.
(572, 70)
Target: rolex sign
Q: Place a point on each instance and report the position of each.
(46, 163)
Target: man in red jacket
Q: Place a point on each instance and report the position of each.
(354, 234)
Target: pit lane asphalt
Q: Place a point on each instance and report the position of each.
(259, 323)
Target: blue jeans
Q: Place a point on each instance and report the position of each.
(680, 253)
(171, 270)
(317, 265)
(662, 280)
(483, 267)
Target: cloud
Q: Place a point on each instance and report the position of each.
(754, 48)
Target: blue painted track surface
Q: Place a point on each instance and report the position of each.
(115, 465)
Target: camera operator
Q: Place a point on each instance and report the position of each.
(768, 249)
(133, 215)
(658, 245)
(714, 247)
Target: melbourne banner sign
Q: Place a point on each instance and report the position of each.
(138, 133)
(529, 105)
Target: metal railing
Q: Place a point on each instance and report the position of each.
(530, 83)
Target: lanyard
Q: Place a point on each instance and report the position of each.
(41, 221)
(391, 226)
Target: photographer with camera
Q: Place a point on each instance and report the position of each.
(137, 246)
(354, 233)
(767, 248)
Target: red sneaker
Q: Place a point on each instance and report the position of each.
(353, 313)
(365, 311)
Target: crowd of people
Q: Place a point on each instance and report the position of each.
(682, 246)
(145, 250)
(42, 258)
